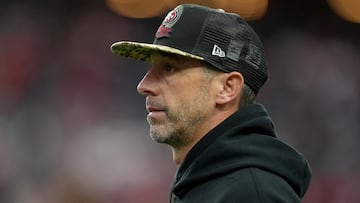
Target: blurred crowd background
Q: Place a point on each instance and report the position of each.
(73, 128)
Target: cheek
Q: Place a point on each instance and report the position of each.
(196, 100)
(185, 96)
(189, 94)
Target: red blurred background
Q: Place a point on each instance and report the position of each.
(72, 126)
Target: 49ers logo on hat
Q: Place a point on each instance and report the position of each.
(171, 18)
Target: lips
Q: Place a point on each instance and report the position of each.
(153, 109)
(155, 114)
(152, 106)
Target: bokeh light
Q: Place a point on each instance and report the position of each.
(177, 2)
(347, 9)
(248, 9)
(138, 8)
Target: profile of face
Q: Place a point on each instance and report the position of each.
(179, 98)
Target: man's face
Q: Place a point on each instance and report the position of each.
(179, 99)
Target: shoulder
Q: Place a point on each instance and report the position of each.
(270, 187)
(251, 185)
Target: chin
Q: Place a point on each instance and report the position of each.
(157, 136)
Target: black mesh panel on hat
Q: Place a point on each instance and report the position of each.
(243, 49)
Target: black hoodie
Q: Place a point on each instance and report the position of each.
(242, 161)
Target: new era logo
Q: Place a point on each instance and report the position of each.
(217, 51)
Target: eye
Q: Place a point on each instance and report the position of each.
(169, 68)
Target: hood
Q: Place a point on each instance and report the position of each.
(245, 139)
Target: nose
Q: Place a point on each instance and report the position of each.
(147, 85)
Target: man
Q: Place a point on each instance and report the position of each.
(207, 68)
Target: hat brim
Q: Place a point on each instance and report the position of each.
(143, 51)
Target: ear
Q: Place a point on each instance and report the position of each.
(232, 85)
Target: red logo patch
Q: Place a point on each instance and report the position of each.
(163, 31)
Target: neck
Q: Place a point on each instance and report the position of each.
(180, 152)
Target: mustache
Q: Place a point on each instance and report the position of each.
(155, 104)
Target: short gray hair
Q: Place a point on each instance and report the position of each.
(248, 96)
